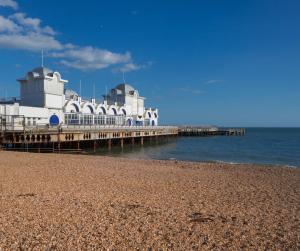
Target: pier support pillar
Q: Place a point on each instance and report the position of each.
(95, 145)
(132, 141)
(109, 143)
(58, 139)
(78, 145)
(150, 139)
(142, 141)
(122, 142)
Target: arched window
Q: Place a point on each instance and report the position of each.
(124, 111)
(91, 108)
(103, 110)
(149, 114)
(115, 111)
(75, 107)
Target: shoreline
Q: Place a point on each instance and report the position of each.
(66, 201)
(267, 165)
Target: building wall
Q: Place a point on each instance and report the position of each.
(132, 102)
(32, 93)
(128, 109)
(54, 101)
(54, 93)
(53, 86)
(33, 115)
(42, 91)
(140, 106)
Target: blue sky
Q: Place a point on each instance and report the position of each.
(229, 63)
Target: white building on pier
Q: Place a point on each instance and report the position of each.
(45, 101)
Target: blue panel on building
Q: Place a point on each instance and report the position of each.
(54, 120)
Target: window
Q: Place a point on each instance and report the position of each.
(99, 120)
(72, 119)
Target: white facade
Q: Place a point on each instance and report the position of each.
(45, 101)
(42, 88)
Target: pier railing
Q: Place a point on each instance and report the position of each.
(17, 123)
(210, 131)
(61, 128)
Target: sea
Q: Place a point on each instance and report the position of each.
(271, 146)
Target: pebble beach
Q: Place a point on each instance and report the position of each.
(81, 202)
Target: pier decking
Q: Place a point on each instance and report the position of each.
(73, 137)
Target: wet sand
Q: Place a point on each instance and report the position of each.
(75, 202)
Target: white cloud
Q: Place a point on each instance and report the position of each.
(90, 58)
(29, 42)
(31, 23)
(197, 92)
(213, 81)
(9, 3)
(19, 31)
(27, 21)
(132, 67)
(190, 90)
(7, 25)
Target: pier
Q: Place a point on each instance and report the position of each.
(77, 137)
(210, 131)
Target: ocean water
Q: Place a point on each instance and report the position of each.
(276, 146)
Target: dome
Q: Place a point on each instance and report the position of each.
(70, 94)
(125, 88)
(42, 72)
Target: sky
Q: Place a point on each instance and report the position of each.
(200, 62)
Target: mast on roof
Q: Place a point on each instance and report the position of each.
(124, 77)
(42, 58)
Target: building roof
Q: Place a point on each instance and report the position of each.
(42, 72)
(125, 88)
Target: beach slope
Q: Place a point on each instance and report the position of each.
(78, 202)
